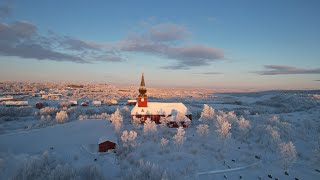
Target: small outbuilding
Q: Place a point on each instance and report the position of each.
(15, 103)
(107, 143)
(131, 102)
(39, 105)
(97, 103)
(73, 103)
(84, 104)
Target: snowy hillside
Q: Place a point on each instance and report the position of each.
(258, 135)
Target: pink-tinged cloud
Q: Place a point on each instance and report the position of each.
(209, 73)
(278, 70)
(161, 41)
(22, 39)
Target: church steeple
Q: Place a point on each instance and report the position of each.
(142, 89)
(142, 84)
(142, 98)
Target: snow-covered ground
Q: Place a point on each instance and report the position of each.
(256, 135)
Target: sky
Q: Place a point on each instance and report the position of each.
(244, 45)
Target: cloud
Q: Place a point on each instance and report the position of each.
(198, 55)
(209, 73)
(37, 52)
(317, 80)
(277, 69)
(22, 39)
(164, 42)
(77, 44)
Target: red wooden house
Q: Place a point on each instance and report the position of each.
(106, 144)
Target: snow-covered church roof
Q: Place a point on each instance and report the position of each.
(160, 108)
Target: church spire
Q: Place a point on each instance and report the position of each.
(142, 84)
(142, 89)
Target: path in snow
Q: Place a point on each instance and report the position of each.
(228, 170)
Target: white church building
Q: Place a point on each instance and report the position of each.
(155, 110)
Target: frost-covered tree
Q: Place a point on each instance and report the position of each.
(46, 167)
(179, 137)
(223, 127)
(128, 138)
(83, 117)
(125, 108)
(117, 120)
(244, 128)
(164, 142)
(180, 117)
(163, 121)
(207, 114)
(288, 153)
(64, 104)
(135, 122)
(46, 118)
(272, 137)
(232, 116)
(48, 111)
(95, 116)
(125, 112)
(149, 126)
(61, 116)
(146, 170)
(203, 130)
(243, 123)
(225, 130)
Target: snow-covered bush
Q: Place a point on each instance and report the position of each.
(64, 104)
(61, 116)
(146, 171)
(164, 142)
(288, 153)
(203, 130)
(15, 111)
(90, 172)
(179, 137)
(46, 167)
(48, 111)
(95, 116)
(117, 120)
(90, 110)
(135, 122)
(128, 138)
(207, 114)
(149, 126)
(46, 118)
